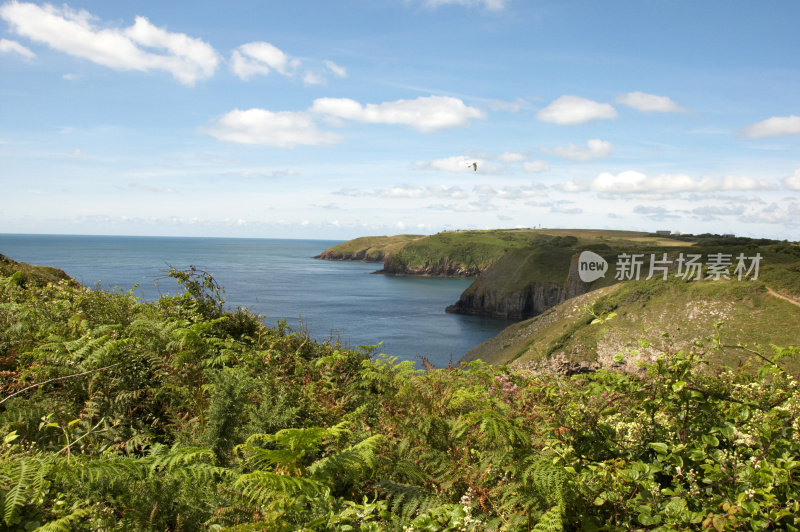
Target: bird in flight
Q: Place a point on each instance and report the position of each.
(474, 166)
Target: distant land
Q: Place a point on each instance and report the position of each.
(532, 275)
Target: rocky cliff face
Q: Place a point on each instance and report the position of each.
(529, 299)
(532, 300)
(360, 255)
(444, 268)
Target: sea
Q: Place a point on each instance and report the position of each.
(280, 280)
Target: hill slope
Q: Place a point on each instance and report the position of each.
(563, 338)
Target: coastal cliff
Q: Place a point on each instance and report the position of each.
(444, 267)
(523, 284)
(367, 248)
(362, 255)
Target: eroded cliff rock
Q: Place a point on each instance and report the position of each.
(518, 287)
(360, 255)
(444, 267)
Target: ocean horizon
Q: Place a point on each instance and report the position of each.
(280, 280)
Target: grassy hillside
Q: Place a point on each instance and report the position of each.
(526, 281)
(686, 311)
(368, 248)
(468, 253)
(23, 273)
(119, 415)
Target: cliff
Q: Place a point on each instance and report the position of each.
(444, 267)
(669, 315)
(367, 248)
(523, 284)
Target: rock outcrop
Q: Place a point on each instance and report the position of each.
(360, 255)
(442, 268)
(530, 301)
(519, 298)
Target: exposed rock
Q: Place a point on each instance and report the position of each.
(360, 255)
(530, 299)
(533, 300)
(443, 268)
(560, 365)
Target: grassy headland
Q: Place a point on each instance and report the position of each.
(520, 273)
(367, 248)
(670, 314)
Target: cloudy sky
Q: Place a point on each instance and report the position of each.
(321, 119)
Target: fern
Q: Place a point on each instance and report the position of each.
(65, 523)
(25, 480)
(548, 480)
(551, 520)
(262, 487)
(353, 462)
(408, 500)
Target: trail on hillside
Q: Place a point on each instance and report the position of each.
(786, 298)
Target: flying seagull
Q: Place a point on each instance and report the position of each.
(474, 166)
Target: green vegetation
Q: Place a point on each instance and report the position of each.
(181, 415)
(22, 273)
(685, 311)
(464, 253)
(368, 248)
(468, 253)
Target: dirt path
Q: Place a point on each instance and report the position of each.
(789, 299)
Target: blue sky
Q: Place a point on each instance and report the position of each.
(339, 119)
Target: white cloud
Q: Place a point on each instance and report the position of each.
(494, 5)
(632, 182)
(425, 114)
(649, 102)
(508, 192)
(408, 192)
(777, 125)
(260, 57)
(595, 149)
(717, 210)
(258, 126)
(512, 107)
(141, 47)
(793, 181)
(565, 210)
(774, 214)
(336, 69)
(13, 47)
(250, 174)
(455, 163)
(511, 157)
(312, 78)
(571, 110)
(534, 167)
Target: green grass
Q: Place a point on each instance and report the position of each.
(685, 311)
(369, 248)
(23, 273)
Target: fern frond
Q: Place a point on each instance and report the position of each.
(179, 457)
(549, 480)
(261, 487)
(26, 479)
(65, 523)
(551, 521)
(408, 500)
(354, 461)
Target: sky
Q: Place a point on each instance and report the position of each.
(338, 119)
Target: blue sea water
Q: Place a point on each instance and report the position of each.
(280, 280)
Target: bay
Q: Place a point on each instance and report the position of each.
(279, 279)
